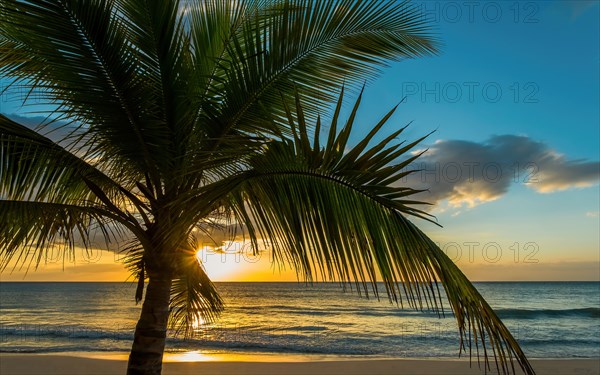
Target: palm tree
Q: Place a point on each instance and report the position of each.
(182, 116)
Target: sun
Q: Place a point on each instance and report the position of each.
(223, 263)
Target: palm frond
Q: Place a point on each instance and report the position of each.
(32, 230)
(341, 215)
(158, 32)
(36, 168)
(194, 298)
(79, 56)
(51, 199)
(316, 45)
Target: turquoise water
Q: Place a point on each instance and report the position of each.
(550, 320)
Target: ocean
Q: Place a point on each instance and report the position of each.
(550, 320)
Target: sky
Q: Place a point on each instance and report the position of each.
(513, 165)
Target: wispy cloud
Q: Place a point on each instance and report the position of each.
(466, 173)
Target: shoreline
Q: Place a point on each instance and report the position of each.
(220, 364)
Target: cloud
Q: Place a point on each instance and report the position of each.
(466, 173)
(592, 214)
(57, 130)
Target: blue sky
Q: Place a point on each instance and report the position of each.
(527, 69)
(516, 83)
(549, 67)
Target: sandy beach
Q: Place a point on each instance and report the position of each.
(33, 364)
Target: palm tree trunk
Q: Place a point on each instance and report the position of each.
(151, 330)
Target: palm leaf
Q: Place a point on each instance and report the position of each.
(52, 198)
(84, 62)
(194, 298)
(341, 215)
(249, 53)
(304, 43)
(32, 230)
(34, 167)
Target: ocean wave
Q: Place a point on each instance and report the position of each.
(278, 346)
(17, 340)
(62, 349)
(63, 332)
(589, 312)
(560, 342)
(510, 313)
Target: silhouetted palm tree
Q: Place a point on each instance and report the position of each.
(183, 114)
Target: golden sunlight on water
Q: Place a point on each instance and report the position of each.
(192, 356)
(198, 322)
(198, 356)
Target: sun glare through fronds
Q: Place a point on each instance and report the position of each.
(224, 262)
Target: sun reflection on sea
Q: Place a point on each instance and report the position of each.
(198, 356)
(191, 356)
